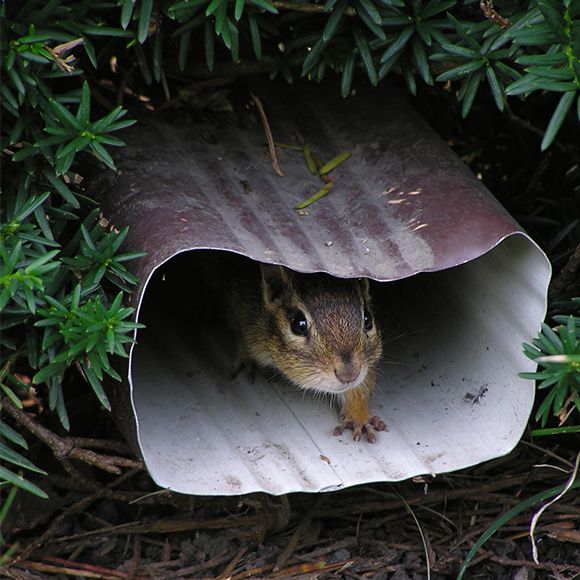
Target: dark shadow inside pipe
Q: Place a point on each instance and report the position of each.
(447, 384)
(181, 298)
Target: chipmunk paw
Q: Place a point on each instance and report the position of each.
(247, 366)
(368, 427)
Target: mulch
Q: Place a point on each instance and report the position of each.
(97, 525)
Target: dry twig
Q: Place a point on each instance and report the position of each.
(74, 509)
(212, 563)
(233, 563)
(64, 448)
(492, 14)
(551, 567)
(294, 541)
(52, 565)
(537, 515)
(269, 138)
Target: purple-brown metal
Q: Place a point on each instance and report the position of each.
(403, 203)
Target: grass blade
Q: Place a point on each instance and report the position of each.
(334, 162)
(502, 520)
(324, 190)
(309, 160)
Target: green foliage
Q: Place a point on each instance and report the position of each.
(9, 455)
(75, 133)
(59, 263)
(49, 323)
(482, 57)
(557, 353)
(551, 35)
(421, 41)
(538, 51)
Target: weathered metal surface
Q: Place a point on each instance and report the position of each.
(401, 205)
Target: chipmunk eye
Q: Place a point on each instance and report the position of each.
(367, 320)
(299, 324)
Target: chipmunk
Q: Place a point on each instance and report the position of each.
(316, 330)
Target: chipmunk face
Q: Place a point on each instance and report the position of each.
(321, 330)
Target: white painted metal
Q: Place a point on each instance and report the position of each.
(448, 389)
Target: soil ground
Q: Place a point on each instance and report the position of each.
(123, 527)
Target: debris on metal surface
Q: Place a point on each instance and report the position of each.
(458, 287)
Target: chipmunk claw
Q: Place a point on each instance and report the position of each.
(249, 370)
(243, 363)
(369, 427)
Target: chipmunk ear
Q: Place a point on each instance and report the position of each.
(364, 286)
(274, 280)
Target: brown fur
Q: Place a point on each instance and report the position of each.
(262, 302)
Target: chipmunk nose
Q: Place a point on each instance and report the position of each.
(347, 373)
